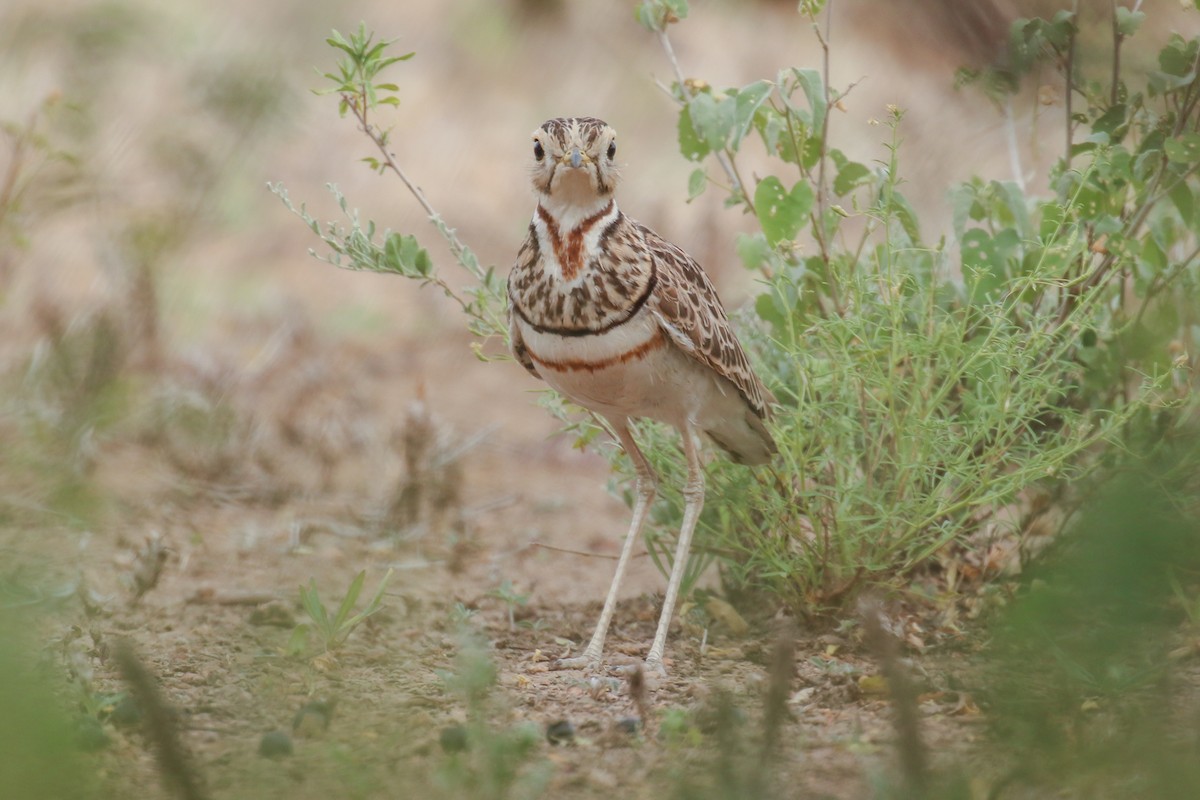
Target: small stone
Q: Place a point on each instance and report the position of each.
(560, 732)
(603, 779)
(453, 739)
(313, 718)
(275, 744)
(629, 725)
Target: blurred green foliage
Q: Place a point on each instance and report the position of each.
(1086, 677)
(41, 760)
(83, 372)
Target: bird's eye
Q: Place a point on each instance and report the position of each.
(539, 152)
(612, 151)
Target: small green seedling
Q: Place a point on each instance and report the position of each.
(461, 613)
(334, 630)
(511, 598)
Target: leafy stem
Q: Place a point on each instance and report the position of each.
(658, 20)
(356, 84)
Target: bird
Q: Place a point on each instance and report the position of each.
(627, 325)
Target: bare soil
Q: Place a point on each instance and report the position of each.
(342, 423)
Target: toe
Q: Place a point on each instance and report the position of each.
(578, 662)
(656, 669)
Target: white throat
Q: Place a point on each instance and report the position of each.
(568, 212)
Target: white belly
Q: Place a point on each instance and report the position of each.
(633, 370)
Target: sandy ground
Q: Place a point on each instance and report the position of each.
(321, 375)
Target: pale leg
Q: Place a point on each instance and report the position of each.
(647, 484)
(693, 496)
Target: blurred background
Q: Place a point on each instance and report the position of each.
(164, 333)
(140, 137)
(182, 383)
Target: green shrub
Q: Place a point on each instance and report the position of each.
(925, 390)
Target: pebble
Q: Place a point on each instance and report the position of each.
(275, 744)
(453, 739)
(560, 732)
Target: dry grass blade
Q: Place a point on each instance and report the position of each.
(640, 696)
(160, 725)
(914, 760)
(775, 711)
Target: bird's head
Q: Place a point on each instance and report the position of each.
(574, 160)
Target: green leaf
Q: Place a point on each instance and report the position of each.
(1112, 121)
(648, 16)
(691, 145)
(752, 249)
(768, 310)
(376, 601)
(1053, 222)
(712, 119)
(1184, 201)
(1184, 150)
(962, 199)
(1165, 82)
(1013, 200)
(313, 605)
(1062, 25)
(985, 269)
(697, 183)
(850, 175)
(782, 213)
(404, 254)
(814, 90)
(1179, 56)
(907, 216)
(656, 15)
(746, 103)
(1128, 21)
(349, 600)
(1090, 202)
(298, 642)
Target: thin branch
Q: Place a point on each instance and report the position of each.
(722, 158)
(1070, 70)
(824, 40)
(1132, 225)
(584, 553)
(819, 227)
(456, 245)
(12, 174)
(1010, 136)
(1163, 280)
(462, 254)
(1118, 38)
(161, 725)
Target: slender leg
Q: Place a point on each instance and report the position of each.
(693, 496)
(647, 485)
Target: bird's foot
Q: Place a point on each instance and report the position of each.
(652, 668)
(584, 662)
(655, 667)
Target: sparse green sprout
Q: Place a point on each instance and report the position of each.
(355, 79)
(656, 15)
(333, 630)
(355, 246)
(511, 598)
(460, 614)
(486, 760)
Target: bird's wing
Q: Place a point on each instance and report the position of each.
(526, 259)
(687, 308)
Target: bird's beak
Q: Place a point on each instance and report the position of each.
(577, 158)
